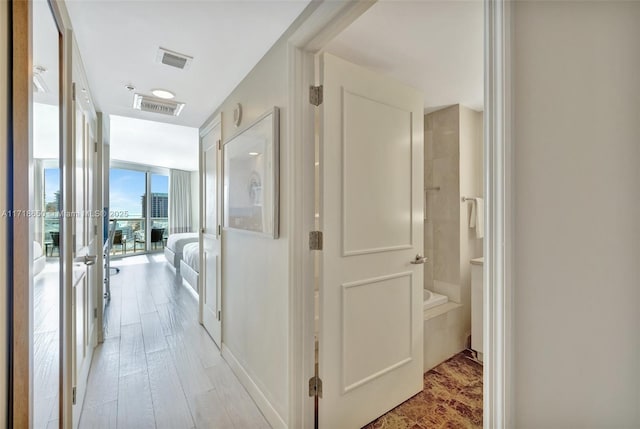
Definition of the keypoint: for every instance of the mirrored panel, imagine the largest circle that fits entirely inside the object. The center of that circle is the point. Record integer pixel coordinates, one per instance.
(47, 206)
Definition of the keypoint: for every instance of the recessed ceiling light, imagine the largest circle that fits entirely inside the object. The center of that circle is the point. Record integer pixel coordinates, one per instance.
(163, 93)
(254, 153)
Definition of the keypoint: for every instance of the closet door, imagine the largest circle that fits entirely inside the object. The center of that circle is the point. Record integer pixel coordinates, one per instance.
(210, 279)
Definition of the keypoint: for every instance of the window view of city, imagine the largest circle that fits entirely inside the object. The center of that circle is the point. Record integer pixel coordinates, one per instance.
(128, 206)
(51, 207)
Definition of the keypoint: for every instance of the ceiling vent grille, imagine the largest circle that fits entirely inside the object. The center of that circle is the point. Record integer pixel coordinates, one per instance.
(147, 103)
(173, 59)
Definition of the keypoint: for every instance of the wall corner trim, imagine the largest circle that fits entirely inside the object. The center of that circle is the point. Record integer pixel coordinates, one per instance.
(498, 247)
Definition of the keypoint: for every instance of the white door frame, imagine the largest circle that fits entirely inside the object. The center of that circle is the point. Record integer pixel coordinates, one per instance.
(205, 129)
(322, 24)
(498, 191)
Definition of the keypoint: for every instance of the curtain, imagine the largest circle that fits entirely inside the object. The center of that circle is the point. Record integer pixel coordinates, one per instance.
(179, 201)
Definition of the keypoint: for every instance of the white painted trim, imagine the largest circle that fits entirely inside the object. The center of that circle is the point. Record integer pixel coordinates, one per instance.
(99, 203)
(270, 413)
(210, 124)
(301, 282)
(498, 244)
(66, 155)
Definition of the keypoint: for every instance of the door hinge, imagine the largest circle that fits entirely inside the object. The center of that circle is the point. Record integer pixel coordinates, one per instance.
(95, 229)
(95, 147)
(315, 95)
(73, 395)
(73, 91)
(219, 229)
(315, 240)
(315, 386)
(95, 312)
(219, 142)
(219, 315)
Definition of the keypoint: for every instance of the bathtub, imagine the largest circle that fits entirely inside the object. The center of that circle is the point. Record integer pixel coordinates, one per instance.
(431, 299)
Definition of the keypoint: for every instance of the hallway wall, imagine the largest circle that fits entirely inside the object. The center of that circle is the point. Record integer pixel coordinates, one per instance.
(255, 269)
(4, 103)
(576, 302)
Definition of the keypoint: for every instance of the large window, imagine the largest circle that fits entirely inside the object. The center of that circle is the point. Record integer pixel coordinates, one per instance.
(159, 207)
(51, 203)
(127, 190)
(139, 205)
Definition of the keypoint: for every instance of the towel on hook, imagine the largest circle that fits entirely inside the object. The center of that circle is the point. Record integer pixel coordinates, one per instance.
(477, 217)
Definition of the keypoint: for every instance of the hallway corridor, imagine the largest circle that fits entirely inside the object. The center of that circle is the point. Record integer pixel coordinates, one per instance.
(158, 367)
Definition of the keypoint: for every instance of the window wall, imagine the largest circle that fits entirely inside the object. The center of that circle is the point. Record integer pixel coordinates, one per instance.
(138, 208)
(51, 215)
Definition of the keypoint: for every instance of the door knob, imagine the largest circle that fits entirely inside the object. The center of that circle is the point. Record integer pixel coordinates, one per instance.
(419, 260)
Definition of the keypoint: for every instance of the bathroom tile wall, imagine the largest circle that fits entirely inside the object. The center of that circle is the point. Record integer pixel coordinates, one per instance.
(453, 162)
(442, 225)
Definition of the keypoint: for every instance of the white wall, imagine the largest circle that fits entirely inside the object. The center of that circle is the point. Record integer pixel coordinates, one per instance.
(255, 269)
(4, 71)
(577, 214)
(195, 200)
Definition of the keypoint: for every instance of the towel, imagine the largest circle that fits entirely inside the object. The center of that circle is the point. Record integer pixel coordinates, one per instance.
(477, 217)
(472, 219)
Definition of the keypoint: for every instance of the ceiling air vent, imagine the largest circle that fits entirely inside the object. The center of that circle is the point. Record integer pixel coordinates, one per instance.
(173, 59)
(147, 103)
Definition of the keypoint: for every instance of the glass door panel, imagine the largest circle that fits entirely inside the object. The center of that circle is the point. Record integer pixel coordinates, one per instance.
(127, 200)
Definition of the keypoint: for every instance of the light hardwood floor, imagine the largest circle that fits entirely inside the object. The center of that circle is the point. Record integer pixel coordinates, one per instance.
(158, 367)
(46, 307)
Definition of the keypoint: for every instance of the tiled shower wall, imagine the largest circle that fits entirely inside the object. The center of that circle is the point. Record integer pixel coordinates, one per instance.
(453, 162)
(442, 223)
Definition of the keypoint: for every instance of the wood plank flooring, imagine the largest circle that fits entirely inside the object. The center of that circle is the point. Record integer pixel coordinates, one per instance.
(46, 301)
(158, 368)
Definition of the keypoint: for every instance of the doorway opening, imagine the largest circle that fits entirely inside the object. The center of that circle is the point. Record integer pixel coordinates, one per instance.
(436, 49)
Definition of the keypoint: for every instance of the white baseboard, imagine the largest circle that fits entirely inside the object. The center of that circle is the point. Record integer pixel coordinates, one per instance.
(272, 416)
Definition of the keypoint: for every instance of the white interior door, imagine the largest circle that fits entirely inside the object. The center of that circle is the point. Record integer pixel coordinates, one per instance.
(371, 180)
(210, 234)
(84, 251)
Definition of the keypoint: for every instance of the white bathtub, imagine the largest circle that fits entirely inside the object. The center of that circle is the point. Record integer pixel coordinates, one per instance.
(431, 299)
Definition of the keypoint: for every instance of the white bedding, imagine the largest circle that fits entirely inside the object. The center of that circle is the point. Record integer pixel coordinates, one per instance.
(191, 255)
(37, 250)
(176, 242)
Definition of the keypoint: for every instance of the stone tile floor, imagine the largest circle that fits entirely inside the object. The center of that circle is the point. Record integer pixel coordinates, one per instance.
(451, 399)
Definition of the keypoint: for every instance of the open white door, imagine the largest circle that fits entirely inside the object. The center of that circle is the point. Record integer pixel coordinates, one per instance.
(209, 278)
(371, 211)
(85, 249)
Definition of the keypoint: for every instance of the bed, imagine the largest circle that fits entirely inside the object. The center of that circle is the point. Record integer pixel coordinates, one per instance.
(175, 244)
(39, 259)
(190, 264)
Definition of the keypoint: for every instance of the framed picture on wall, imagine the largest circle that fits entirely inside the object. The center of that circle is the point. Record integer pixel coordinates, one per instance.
(251, 177)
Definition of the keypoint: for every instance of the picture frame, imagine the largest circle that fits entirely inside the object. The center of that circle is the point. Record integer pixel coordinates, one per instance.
(251, 183)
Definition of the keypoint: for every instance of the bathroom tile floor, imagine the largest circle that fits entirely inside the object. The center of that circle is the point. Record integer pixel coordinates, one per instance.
(451, 399)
